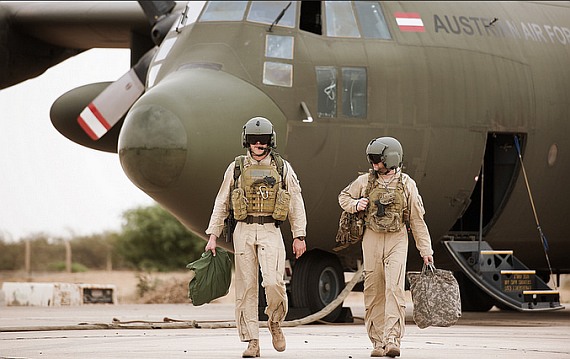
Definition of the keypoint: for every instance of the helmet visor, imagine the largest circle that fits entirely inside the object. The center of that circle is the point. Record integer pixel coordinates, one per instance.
(374, 158)
(262, 139)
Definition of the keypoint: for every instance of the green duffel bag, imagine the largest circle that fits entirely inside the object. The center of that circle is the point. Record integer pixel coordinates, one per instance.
(212, 277)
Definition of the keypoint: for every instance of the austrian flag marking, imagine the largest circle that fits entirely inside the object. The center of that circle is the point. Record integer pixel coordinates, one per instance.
(409, 22)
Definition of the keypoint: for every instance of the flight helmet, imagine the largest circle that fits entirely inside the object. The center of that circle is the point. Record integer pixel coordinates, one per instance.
(386, 150)
(258, 129)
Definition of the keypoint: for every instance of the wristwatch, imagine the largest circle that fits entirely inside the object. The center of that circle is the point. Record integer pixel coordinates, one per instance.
(301, 238)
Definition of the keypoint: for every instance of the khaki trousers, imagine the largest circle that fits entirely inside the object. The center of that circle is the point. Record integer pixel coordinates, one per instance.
(384, 276)
(258, 246)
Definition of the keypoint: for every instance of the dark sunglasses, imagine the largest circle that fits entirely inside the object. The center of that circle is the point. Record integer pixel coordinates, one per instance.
(374, 158)
(253, 139)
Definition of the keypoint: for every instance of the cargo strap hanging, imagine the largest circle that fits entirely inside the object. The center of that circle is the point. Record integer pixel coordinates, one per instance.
(542, 236)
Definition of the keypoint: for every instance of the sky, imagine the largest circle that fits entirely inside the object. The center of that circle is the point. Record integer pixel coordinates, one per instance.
(49, 184)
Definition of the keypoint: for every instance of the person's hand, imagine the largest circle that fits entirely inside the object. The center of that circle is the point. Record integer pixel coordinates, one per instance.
(299, 247)
(362, 204)
(211, 244)
(428, 260)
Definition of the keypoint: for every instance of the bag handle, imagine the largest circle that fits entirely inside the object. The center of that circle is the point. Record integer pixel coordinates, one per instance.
(429, 267)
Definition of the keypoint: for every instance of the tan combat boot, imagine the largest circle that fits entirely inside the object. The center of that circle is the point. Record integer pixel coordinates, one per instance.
(392, 350)
(277, 335)
(252, 350)
(377, 352)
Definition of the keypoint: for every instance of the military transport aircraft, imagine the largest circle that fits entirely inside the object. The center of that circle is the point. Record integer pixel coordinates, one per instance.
(478, 93)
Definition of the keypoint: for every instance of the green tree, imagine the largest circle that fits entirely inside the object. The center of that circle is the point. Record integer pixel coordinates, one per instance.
(95, 251)
(45, 251)
(153, 239)
(11, 255)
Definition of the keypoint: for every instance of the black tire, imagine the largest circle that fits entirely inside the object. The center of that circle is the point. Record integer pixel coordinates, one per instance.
(473, 299)
(317, 280)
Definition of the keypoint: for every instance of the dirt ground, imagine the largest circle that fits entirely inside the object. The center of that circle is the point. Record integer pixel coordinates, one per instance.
(156, 288)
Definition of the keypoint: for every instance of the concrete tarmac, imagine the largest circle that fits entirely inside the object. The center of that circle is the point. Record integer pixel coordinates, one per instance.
(62, 332)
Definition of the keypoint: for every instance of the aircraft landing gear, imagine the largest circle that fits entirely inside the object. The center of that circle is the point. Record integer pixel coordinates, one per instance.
(317, 280)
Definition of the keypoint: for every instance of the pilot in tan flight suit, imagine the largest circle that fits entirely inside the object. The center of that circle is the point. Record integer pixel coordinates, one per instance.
(390, 199)
(265, 194)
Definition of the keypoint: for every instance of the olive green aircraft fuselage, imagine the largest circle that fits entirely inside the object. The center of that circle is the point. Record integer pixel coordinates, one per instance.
(476, 92)
(455, 94)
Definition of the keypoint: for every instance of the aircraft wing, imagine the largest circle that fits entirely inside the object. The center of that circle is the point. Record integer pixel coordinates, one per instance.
(37, 35)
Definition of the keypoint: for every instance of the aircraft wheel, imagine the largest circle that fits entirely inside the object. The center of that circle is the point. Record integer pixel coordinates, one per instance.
(317, 280)
(473, 299)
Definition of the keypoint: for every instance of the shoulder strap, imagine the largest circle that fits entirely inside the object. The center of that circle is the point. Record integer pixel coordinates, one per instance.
(406, 195)
(238, 163)
(371, 180)
(280, 164)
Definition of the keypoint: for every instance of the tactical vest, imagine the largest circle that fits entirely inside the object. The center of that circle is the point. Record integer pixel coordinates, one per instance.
(260, 184)
(262, 190)
(386, 208)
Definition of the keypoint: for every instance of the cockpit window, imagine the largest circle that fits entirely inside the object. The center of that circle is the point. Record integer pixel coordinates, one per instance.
(280, 47)
(372, 20)
(266, 12)
(354, 87)
(224, 11)
(311, 17)
(340, 20)
(326, 87)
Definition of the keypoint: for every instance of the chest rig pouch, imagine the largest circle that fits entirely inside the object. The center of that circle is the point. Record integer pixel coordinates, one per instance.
(260, 185)
(262, 190)
(386, 208)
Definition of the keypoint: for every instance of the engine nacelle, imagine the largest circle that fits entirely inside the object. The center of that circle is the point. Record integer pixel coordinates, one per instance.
(66, 109)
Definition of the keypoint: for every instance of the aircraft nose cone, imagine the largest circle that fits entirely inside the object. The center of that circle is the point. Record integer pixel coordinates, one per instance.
(181, 135)
(152, 147)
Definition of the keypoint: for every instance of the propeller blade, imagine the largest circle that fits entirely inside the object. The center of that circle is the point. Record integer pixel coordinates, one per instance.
(64, 111)
(113, 103)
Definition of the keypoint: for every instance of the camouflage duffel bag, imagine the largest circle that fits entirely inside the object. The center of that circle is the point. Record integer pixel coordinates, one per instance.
(350, 230)
(435, 295)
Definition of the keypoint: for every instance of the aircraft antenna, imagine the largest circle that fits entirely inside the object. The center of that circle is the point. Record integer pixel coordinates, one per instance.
(542, 236)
